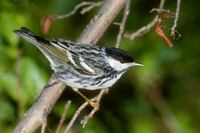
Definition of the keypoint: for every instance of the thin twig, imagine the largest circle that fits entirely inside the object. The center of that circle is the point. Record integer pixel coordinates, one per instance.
(62, 119)
(44, 124)
(97, 99)
(161, 5)
(141, 31)
(90, 7)
(123, 23)
(78, 111)
(87, 117)
(173, 29)
(163, 14)
(116, 23)
(82, 4)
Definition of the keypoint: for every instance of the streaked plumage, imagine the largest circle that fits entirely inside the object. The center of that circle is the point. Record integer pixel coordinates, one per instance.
(82, 66)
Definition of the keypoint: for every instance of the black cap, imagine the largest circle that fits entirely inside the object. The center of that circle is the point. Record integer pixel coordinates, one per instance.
(120, 55)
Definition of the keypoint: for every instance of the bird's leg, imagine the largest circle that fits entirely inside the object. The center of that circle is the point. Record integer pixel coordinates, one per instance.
(92, 103)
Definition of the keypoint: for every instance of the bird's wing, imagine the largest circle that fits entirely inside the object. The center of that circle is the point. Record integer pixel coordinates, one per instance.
(84, 57)
(66, 52)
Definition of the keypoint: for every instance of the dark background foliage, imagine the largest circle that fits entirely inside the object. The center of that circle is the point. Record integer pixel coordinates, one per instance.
(163, 96)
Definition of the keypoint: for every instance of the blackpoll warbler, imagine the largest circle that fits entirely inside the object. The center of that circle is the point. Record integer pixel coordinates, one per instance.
(88, 67)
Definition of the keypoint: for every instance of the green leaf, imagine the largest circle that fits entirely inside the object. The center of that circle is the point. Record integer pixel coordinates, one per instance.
(8, 83)
(7, 111)
(33, 79)
(9, 24)
(143, 126)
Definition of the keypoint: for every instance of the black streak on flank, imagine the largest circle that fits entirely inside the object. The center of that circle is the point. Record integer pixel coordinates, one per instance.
(119, 55)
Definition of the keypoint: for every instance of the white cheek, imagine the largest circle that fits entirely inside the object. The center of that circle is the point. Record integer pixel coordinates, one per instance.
(117, 65)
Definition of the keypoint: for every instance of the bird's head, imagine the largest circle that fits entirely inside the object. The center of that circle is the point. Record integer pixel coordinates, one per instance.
(119, 59)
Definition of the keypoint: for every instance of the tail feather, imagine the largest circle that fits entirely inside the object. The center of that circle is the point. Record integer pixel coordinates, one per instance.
(54, 55)
(30, 36)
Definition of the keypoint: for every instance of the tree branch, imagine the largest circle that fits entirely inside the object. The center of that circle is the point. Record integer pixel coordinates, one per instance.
(62, 119)
(173, 29)
(37, 114)
(123, 23)
(144, 29)
(94, 110)
(83, 106)
(89, 6)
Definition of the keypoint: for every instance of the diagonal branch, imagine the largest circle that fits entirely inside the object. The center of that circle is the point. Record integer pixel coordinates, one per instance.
(36, 116)
(83, 106)
(62, 119)
(89, 6)
(123, 23)
(94, 110)
(144, 29)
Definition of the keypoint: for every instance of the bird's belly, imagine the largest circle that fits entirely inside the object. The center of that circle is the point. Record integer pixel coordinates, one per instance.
(90, 84)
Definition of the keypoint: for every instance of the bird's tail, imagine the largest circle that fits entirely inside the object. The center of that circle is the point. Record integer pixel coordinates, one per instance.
(31, 37)
(53, 54)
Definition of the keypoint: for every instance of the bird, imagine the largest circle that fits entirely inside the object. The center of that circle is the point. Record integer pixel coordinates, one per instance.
(82, 66)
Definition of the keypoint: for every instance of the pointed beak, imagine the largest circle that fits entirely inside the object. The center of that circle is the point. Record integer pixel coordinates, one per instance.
(137, 64)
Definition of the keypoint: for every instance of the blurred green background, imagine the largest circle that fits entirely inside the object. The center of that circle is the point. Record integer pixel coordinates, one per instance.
(161, 97)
